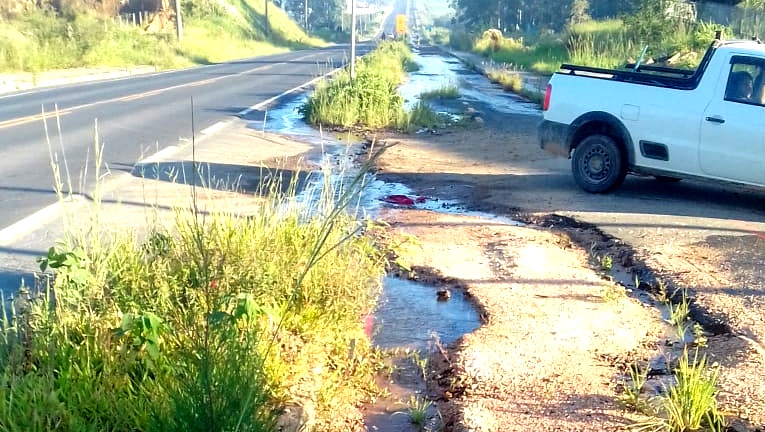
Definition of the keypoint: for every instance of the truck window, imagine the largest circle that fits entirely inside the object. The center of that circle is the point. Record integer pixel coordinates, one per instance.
(746, 81)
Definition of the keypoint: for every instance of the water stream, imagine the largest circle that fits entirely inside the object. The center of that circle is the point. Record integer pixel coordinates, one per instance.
(409, 315)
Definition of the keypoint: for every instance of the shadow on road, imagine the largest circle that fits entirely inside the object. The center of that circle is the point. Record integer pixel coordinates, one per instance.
(226, 177)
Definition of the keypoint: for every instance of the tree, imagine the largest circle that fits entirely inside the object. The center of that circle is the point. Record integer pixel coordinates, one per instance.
(322, 13)
(521, 14)
(580, 11)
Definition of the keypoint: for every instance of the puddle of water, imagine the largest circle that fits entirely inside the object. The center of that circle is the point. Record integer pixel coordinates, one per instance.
(409, 315)
(283, 118)
(437, 71)
(374, 194)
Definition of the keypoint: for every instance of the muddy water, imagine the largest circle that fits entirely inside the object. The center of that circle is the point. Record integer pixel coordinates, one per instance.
(409, 315)
(437, 71)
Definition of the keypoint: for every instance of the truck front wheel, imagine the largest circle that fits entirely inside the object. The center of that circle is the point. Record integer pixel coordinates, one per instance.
(598, 164)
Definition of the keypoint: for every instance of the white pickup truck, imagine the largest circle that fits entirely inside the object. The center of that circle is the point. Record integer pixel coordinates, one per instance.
(668, 123)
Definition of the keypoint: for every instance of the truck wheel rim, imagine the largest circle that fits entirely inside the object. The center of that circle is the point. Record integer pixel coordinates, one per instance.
(597, 164)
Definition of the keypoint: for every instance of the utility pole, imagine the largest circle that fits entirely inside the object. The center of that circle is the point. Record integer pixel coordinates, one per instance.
(353, 39)
(178, 20)
(268, 26)
(306, 15)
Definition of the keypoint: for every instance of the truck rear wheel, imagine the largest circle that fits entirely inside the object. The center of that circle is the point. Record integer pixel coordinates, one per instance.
(598, 164)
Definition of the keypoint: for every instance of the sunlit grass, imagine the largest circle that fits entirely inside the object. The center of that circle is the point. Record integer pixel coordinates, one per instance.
(606, 44)
(448, 91)
(206, 320)
(510, 81)
(690, 403)
(40, 41)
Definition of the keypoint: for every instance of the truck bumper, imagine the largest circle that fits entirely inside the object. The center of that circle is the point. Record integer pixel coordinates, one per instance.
(553, 138)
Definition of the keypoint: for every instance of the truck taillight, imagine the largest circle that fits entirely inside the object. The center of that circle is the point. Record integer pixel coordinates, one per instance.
(548, 93)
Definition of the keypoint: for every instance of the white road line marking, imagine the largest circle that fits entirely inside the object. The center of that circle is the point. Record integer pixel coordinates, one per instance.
(11, 233)
(37, 219)
(214, 128)
(281, 95)
(160, 155)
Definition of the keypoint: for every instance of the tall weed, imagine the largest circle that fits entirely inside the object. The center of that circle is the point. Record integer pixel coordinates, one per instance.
(209, 322)
(370, 99)
(608, 44)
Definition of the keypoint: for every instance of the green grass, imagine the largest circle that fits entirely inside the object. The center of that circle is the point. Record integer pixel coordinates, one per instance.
(679, 312)
(690, 404)
(40, 41)
(632, 389)
(206, 322)
(448, 91)
(607, 44)
(371, 100)
(418, 410)
(510, 81)
(543, 57)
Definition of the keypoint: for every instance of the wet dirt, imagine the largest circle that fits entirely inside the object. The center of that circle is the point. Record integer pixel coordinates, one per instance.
(514, 372)
(694, 236)
(437, 71)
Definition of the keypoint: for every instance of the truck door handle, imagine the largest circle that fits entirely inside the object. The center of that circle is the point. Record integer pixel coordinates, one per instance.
(716, 119)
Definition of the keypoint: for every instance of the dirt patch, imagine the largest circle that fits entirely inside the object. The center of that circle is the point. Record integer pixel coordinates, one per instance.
(497, 167)
(546, 357)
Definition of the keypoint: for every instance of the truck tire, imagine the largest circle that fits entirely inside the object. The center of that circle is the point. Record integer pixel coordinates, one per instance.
(598, 164)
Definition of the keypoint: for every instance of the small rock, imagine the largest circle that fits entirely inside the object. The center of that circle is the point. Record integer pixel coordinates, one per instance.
(443, 294)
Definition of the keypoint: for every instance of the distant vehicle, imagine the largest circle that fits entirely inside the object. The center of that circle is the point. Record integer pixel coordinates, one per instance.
(707, 123)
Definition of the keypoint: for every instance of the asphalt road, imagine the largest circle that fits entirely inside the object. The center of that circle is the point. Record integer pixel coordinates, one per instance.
(135, 117)
(399, 7)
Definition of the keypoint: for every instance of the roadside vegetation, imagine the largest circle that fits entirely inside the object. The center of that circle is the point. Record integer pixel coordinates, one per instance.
(678, 40)
(449, 91)
(212, 321)
(45, 39)
(370, 100)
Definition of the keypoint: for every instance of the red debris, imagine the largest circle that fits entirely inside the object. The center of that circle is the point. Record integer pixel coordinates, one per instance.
(399, 199)
(369, 322)
(404, 200)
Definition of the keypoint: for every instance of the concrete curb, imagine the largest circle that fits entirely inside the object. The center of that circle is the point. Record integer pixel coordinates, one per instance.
(10, 84)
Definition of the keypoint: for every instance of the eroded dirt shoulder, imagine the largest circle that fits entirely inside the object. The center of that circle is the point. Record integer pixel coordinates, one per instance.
(546, 357)
(704, 239)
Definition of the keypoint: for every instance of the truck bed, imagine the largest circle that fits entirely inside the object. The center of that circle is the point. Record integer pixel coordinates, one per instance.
(658, 76)
(681, 79)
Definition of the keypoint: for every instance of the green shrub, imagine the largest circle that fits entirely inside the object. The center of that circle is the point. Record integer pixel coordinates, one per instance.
(371, 99)
(449, 91)
(209, 323)
(508, 80)
(461, 40)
